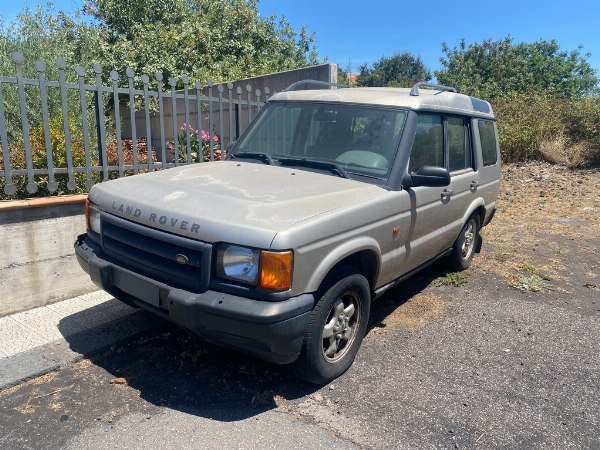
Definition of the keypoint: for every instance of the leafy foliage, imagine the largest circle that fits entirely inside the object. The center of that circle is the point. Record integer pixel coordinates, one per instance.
(400, 70)
(218, 39)
(495, 69)
(44, 34)
(59, 159)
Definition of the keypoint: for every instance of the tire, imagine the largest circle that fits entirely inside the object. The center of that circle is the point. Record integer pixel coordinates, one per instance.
(465, 246)
(328, 351)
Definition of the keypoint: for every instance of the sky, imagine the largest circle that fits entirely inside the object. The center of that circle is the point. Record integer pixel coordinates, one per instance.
(362, 31)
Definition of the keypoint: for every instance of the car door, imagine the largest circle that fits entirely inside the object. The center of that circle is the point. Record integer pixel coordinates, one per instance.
(465, 180)
(427, 229)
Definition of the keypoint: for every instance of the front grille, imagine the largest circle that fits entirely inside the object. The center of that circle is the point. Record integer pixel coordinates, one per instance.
(153, 253)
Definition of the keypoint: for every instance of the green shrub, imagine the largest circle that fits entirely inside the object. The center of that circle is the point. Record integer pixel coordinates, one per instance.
(558, 130)
(59, 159)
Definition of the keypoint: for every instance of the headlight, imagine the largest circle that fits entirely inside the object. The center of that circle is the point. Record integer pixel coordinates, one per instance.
(266, 269)
(238, 263)
(92, 217)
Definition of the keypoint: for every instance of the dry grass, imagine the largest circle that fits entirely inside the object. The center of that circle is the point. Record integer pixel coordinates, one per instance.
(572, 155)
(543, 209)
(43, 379)
(413, 315)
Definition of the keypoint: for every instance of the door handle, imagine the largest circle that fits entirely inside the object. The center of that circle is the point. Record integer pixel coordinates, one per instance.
(447, 193)
(474, 184)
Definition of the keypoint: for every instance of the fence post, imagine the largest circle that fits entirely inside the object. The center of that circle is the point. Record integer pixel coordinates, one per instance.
(248, 90)
(80, 71)
(186, 99)
(100, 121)
(129, 72)
(9, 187)
(40, 66)
(210, 124)
(145, 80)
(19, 61)
(173, 84)
(238, 123)
(62, 65)
(198, 87)
(114, 76)
(161, 118)
(221, 88)
(230, 92)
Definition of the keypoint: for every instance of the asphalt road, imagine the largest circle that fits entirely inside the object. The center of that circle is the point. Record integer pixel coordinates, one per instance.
(480, 365)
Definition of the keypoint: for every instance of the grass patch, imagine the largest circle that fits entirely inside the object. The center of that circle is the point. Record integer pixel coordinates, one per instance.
(451, 279)
(531, 283)
(530, 268)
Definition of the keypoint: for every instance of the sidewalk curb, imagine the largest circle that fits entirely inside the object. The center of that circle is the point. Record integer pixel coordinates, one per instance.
(59, 353)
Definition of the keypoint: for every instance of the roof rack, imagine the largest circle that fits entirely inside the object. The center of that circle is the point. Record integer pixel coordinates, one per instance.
(297, 84)
(415, 89)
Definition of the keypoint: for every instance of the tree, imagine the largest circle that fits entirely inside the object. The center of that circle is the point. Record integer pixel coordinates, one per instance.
(217, 39)
(44, 34)
(345, 75)
(400, 70)
(494, 69)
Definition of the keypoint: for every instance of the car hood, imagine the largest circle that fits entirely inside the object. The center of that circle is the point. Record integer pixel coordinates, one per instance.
(229, 201)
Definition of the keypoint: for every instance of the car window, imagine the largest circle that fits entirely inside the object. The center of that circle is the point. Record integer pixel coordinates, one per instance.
(363, 140)
(459, 144)
(274, 131)
(428, 145)
(489, 145)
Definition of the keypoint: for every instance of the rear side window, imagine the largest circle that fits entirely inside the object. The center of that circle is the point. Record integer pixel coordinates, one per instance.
(489, 145)
(459, 144)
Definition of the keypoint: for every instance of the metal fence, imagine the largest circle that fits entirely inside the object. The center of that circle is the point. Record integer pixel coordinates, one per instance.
(99, 112)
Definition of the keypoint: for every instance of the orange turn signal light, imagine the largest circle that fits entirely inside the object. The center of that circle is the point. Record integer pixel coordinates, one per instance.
(276, 270)
(87, 214)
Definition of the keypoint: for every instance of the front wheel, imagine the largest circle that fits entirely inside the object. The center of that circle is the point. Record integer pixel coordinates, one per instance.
(465, 245)
(335, 329)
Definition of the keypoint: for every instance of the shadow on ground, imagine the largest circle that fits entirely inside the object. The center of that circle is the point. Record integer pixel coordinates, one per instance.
(171, 367)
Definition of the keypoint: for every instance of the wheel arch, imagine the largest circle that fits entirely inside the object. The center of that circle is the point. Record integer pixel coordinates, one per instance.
(364, 258)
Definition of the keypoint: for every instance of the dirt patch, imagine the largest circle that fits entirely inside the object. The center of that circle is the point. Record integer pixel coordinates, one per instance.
(547, 227)
(43, 379)
(414, 314)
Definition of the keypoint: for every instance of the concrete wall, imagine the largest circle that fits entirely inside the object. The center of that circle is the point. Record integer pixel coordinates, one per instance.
(37, 260)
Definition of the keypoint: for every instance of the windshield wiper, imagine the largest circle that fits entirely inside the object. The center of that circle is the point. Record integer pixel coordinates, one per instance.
(264, 157)
(315, 164)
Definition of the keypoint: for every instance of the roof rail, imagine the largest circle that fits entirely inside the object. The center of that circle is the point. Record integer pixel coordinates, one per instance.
(294, 86)
(415, 89)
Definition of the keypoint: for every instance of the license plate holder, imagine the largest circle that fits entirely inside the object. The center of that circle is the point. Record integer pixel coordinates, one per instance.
(137, 287)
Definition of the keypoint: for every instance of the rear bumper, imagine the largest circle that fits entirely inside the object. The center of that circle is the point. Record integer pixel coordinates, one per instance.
(273, 331)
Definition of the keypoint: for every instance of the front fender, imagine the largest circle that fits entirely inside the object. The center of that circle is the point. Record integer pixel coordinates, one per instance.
(339, 253)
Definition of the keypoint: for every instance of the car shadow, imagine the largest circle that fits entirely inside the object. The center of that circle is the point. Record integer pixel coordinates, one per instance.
(399, 295)
(173, 368)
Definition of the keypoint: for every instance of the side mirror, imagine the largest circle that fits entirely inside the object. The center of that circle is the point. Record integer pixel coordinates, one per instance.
(431, 176)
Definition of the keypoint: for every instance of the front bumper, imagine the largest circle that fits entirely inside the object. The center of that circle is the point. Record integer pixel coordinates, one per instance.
(271, 330)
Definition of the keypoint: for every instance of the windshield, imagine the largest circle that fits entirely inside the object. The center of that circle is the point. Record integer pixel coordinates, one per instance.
(361, 140)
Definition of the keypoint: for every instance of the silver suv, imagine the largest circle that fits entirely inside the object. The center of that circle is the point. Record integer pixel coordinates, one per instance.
(329, 198)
